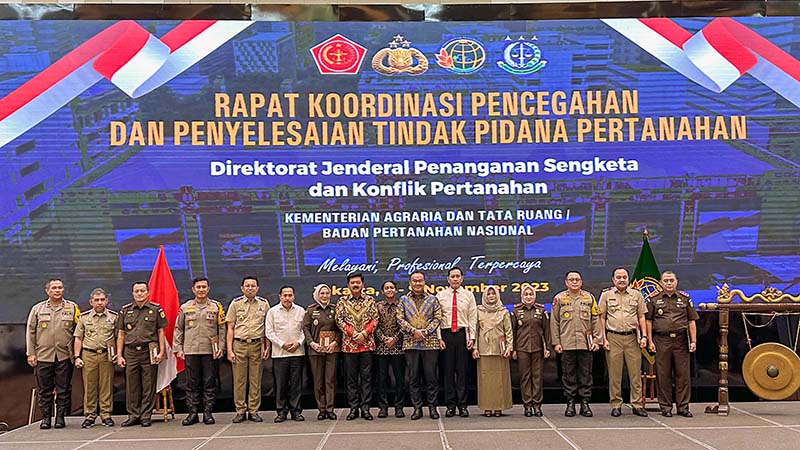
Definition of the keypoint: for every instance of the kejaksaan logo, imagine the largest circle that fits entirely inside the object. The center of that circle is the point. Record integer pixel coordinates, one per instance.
(521, 57)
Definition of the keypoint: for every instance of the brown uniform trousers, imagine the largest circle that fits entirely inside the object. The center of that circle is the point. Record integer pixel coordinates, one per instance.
(670, 315)
(140, 325)
(531, 327)
(318, 324)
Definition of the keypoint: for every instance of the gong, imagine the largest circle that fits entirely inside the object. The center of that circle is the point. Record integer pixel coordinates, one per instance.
(772, 371)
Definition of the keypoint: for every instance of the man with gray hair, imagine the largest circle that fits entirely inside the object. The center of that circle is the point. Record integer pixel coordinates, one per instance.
(95, 351)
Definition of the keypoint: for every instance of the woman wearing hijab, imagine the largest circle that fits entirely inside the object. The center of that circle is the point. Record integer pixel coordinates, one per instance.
(493, 346)
(322, 335)
(531, 327)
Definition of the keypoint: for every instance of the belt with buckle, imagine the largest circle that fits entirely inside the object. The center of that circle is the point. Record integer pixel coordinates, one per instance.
(93, 350)
(672, 334)
(248, 341)
(138, 347)
(622, 333)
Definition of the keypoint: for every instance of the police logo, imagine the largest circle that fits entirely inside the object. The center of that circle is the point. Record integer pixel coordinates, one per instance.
(399, 57)
(461, 56)
(521, 57)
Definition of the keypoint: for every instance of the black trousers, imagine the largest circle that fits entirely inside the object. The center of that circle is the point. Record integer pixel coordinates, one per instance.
(201, 378)
(576, 374)
(422, 362)
(358, 370)
(397, 363)
(455, 363)
(52, 376)
(288, 384)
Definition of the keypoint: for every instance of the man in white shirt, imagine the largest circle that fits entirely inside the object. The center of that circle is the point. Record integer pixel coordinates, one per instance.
(459, 322)
(284, 328)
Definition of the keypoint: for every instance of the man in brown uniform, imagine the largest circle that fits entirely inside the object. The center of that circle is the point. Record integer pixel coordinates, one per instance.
(94, 348)
(199, 336)
(575, 334)
(673, 335)
(531, 327)
(140, 328)
(248, 347)
(624, 331)
(48, 345)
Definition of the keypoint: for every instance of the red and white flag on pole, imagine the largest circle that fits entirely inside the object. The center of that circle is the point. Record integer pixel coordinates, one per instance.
(164, 292)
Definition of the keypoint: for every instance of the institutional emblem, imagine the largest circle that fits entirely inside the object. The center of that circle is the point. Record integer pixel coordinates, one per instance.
(338, 55)
(521, 57)
(399, 57)
(461, 55)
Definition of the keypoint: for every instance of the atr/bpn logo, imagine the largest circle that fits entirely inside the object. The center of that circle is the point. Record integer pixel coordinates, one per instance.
(338, 55)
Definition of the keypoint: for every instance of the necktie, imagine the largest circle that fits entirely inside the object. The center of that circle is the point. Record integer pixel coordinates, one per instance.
(454, 324)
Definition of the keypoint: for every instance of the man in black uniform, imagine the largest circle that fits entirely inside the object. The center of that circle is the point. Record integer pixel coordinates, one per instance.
(671, 324)
(140, 348)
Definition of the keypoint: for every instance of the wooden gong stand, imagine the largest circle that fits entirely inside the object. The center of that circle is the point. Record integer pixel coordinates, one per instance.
(767, 301)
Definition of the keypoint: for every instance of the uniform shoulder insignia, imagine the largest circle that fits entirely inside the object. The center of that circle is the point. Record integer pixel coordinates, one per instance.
(684, 293)
(127, 305)
(518, 305)
(608, 288)
(113, 313)
(538, 305)
(86, 312)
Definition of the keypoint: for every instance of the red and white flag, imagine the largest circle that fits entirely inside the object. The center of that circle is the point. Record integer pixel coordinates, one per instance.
(164, 292)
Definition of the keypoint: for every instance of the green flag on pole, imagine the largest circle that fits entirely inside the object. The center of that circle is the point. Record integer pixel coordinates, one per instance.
(646, 276)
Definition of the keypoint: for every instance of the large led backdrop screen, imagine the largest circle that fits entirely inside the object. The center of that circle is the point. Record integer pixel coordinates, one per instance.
(299, 152)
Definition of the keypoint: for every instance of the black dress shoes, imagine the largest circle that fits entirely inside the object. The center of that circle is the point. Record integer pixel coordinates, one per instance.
(641, 412)
(191, 419)
(208, 418)
(146, 423)
(586, 411)
(366, 414)
(537, 410)
(616, 412)
(353, 414)
(239, 418)
(131, 422)
(417, 414)
(383, 413)
(528, 411)
(398, 412)
(463, 411)
(570, 411)
(322, 415)
(433, 412)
